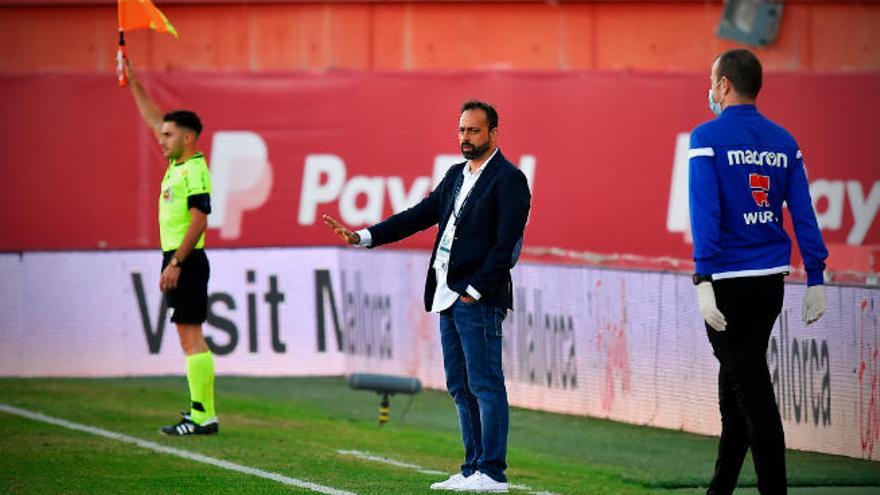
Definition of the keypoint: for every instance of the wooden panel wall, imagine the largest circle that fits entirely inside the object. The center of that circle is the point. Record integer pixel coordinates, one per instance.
(294, 36)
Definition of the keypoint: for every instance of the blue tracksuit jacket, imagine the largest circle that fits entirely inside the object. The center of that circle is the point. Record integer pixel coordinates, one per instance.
(742, 168)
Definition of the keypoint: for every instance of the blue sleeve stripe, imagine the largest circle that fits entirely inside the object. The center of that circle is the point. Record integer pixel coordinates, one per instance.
(695, 152)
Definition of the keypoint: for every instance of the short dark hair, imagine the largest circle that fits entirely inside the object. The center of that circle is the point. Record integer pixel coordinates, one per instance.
(743, 69)
(184, 118)
(491, 113)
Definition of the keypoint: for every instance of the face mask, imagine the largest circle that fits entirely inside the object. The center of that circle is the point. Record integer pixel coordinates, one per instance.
(715, 107)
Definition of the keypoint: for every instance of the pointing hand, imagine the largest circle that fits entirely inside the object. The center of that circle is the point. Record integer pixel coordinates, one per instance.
(341, 231)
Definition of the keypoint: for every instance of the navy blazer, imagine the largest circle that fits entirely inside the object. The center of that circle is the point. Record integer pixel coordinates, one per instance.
(488, 235)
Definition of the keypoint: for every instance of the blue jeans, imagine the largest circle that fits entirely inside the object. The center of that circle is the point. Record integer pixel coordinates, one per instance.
(471, 339)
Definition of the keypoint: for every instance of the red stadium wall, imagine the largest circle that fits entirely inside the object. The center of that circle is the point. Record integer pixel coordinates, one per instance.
(595, 94)
(82, 171)
(266, 36)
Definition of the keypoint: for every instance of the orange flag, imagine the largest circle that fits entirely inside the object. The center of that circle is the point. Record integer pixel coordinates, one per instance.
(134, 15)
(142, 14)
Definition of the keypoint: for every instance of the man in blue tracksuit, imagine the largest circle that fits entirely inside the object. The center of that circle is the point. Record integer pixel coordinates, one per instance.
(743, 167)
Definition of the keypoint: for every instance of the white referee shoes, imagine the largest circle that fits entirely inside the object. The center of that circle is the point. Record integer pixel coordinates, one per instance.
(476, 483)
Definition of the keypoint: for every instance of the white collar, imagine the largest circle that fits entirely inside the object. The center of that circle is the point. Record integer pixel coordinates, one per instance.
(467, 166)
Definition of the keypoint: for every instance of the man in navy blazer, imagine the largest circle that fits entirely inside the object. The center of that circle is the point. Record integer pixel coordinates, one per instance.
(481, 207)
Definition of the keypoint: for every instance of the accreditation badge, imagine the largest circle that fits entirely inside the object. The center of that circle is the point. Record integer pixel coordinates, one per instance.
(444, 249)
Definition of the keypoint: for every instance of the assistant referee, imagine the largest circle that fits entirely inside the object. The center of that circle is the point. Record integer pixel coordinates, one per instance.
(184, 205)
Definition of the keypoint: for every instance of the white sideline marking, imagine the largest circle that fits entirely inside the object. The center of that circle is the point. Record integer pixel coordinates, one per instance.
(155, 447)
(378, 458)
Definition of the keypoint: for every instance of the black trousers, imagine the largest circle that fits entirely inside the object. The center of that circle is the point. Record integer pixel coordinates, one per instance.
(749, 414)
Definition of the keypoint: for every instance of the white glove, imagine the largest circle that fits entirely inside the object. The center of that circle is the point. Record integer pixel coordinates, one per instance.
(814, 304)
(708, 309)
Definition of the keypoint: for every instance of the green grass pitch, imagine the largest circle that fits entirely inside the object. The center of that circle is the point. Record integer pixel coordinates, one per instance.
(296, 426)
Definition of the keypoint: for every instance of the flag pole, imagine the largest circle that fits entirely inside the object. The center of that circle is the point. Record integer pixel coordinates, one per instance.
(120, 60)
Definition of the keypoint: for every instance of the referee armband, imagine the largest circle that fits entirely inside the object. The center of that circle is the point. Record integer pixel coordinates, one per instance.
(201, 202)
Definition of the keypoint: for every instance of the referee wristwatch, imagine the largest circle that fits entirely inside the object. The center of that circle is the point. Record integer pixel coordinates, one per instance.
(699, 278)
(174, 262)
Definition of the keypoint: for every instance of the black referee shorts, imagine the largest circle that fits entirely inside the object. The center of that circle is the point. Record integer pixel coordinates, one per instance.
(189, 301)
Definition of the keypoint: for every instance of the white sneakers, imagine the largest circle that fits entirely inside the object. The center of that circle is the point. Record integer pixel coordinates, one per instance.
(477, 482)
(450, 484)
(481, 483)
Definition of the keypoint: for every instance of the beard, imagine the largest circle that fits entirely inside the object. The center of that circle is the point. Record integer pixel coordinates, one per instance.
(174, 152)
(471, 152)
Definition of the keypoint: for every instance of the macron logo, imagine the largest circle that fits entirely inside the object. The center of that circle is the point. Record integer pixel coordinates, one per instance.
(759, 158)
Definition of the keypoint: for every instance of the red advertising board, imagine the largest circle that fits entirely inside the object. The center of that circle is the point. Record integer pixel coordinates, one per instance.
(81, 171)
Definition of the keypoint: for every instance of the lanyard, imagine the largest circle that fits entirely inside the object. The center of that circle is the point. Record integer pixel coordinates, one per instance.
(458, 185)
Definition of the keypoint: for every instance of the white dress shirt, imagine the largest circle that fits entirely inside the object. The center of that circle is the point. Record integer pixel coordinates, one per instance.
(444, 297)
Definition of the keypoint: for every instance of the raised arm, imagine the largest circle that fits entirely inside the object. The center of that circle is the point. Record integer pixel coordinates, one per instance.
(146, 106)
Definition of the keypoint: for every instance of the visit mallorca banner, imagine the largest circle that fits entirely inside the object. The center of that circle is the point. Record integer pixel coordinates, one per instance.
(624, 345)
